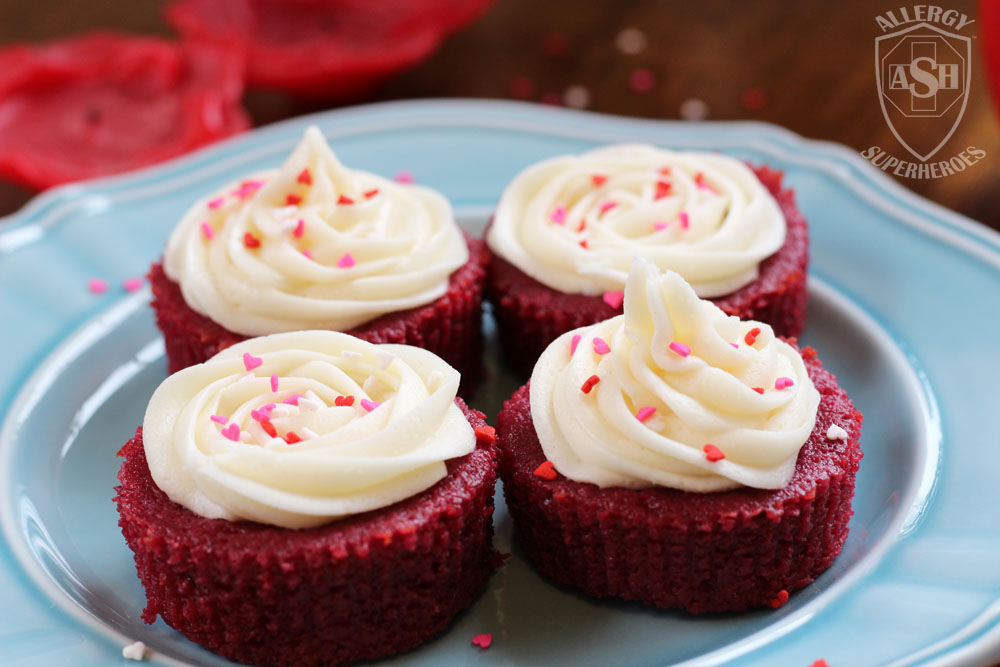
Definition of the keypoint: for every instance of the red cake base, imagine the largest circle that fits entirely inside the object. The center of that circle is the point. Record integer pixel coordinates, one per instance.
(363, 587)
(531, 315)
(725, 551)
(450, 327)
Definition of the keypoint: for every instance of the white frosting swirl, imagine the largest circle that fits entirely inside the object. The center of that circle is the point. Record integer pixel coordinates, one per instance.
(703, 215)
(388, 444)
(686, 402)
(365, 246)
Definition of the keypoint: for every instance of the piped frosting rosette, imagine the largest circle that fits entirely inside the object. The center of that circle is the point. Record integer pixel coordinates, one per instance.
(313, 245)
(574, 222)
(673, 393)
(297, 429)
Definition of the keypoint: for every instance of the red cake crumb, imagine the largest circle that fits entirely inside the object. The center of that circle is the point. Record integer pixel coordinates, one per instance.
(450, 327)
(363, 587)
(531, 315)
(724, 551)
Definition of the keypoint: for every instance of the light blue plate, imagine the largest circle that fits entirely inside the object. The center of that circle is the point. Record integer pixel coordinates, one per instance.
(904, 310)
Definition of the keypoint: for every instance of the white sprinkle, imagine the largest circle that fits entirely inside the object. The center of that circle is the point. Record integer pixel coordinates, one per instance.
(434, 379)
(369, 384)
(694, 109)
(836, 433)
(135, 651)
(244, 436)
(308, 433)
(281, 411)
(307, 405)
(351, 355)
(384, 359)
(576, 97)
(630, 41)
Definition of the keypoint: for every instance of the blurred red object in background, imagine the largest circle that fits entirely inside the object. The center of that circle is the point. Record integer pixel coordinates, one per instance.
(326, 50)
(989, 31)
(103, 103)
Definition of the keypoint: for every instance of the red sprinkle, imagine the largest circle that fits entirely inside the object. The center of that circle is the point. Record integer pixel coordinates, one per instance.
(780, 599)
(292, 437)
(820, 663)
(483, 640)
(759, 390)
(713, 453)
(664, 170)
(485, 434)
(268, 427)
(344, 400)
(573, 343)
(751, 336)
(583, 226)
(662, 190)
(251, 241)
(344, 199)
(614, 299)
(583, 244)
(680, 348)
(600, 346)
(305, 177)
(97, 285)
(371, 193)
(300, 228)
(645, 413)
(589, 383)
(546, 471)
(292, 200)
(598, 180)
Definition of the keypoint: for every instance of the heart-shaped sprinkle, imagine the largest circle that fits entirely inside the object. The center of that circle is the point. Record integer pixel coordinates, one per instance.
(483, 640)
(614, 299)
(601, 346)
(305, 177)
(344, 400)
(547, 470)
(232, 432)
(346, 262)
(251, 362)
(369, 405)
(713, 453)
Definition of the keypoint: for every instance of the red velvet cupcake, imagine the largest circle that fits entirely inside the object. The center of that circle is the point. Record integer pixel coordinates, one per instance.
(315, 245)
(679, 457)
(284, 511)
(566, 230)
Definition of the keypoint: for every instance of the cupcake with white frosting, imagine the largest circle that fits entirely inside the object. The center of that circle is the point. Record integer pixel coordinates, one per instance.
(317, 245)
(310, 498)
(566, 230)
(678, 456)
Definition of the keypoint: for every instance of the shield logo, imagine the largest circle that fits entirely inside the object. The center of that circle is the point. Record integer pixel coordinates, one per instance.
(923, 75)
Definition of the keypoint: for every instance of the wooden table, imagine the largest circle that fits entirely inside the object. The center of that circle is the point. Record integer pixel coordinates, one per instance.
(809, 63)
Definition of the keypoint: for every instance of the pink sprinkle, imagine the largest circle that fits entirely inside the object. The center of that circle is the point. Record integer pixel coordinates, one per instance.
(97, 286)
(274, 382)
(607, 206)
(132, 284)
(642, 80)
(346, 262)
(293, 399)
(685, 219)
(300, 227)
(645, 413)
(614, 299)
(735, 345)
(247, 188)
(601, 347)
(268, 407)
(217, 202)
(259, 415)
(573, 343)
(483, 641)
(403, 177)
(558, 215)
(218, 419)
(307, 254)
(369, 405)
(783, 383)
(680, 348)
(206, 229)
(251, 362)
(659, 225)
(232, 432)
